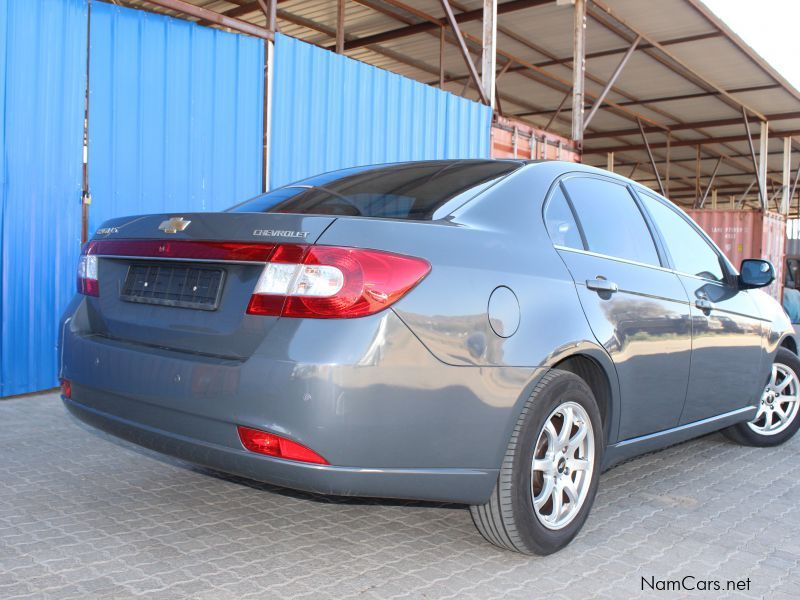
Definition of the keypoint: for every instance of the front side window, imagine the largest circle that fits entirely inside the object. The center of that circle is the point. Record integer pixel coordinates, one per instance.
(415, 190)
(690, 252)
(611, 220)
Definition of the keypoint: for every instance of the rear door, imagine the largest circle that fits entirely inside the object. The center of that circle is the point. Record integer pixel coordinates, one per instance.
(727, 330)
(637, 309)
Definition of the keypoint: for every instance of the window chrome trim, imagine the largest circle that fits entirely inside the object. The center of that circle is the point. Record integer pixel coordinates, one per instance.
(609, 257)
(638, 264)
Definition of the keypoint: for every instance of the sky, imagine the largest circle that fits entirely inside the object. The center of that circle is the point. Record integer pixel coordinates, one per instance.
(767, 26)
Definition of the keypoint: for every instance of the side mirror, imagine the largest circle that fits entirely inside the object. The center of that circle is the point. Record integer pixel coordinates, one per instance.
(756, 273)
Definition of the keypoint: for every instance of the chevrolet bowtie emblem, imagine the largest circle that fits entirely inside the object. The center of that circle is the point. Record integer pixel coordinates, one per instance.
(174, 225)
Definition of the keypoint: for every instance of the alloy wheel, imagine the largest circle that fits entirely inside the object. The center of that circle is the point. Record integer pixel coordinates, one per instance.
(779, 402)
(562, 465)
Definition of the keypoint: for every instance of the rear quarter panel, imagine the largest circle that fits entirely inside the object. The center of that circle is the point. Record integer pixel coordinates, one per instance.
(497, 239)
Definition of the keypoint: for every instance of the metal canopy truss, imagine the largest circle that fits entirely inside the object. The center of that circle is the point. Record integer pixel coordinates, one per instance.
(652, 160)
(462, 46)
(599, 102)
(672, 67)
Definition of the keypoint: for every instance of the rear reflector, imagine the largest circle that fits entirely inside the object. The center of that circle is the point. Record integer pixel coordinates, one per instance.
(188, 249)
(66, 388)
(270, 444)
(330, 282)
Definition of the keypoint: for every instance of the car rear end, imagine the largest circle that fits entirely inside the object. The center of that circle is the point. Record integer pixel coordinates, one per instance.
(243, 342)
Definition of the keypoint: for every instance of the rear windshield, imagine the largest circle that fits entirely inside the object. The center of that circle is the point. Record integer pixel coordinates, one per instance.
(417, 191)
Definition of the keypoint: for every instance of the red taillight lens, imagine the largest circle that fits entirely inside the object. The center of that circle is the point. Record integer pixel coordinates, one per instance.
(66, 388)
(193, 249)
(330, 282)
(270, 444)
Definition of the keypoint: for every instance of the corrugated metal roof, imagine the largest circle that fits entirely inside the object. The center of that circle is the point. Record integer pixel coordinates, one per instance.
(694, 44)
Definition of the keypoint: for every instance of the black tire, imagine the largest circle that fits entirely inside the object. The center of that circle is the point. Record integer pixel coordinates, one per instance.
(742, 433)
(508, 520)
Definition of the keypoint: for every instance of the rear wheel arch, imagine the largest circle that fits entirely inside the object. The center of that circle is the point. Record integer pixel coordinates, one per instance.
(591, 363)
(598, 381)
(789, 343)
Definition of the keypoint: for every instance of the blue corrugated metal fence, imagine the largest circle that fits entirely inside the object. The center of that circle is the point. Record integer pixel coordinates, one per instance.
(42, 86)
(175, 123)
(332, 112)
(175, 115)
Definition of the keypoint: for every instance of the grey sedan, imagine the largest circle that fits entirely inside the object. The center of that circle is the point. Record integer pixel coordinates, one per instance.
(492, 333)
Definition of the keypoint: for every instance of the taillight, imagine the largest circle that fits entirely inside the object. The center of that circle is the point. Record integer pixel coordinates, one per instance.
(66, 388)
(87, 273)
(330, 282)
(270, 444)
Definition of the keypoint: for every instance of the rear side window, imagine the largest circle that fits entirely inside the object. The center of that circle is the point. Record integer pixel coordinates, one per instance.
(612, 222)
(561, 223)
(690, 252)
(417, 190)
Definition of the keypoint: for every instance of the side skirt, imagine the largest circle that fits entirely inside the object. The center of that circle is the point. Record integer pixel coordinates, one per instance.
(616, 453)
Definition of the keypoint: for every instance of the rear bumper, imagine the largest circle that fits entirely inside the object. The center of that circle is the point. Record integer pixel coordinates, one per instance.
(391, 419)
(466, 486)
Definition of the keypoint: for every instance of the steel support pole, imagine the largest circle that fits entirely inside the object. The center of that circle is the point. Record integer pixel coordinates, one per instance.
(650, 156)
(702, 202)
(611, 81)
(489, 50)
(269, 8)
(441, 56)
(578, 70)
(697, 165)
(496, 94)
(340, 27)
(669, 161)
(462, 46)
(792, 190)
(610, 162)
(787, 175)
(747, 191)
(558, 110)
(762, 198)
(86, 196)
(763, 143)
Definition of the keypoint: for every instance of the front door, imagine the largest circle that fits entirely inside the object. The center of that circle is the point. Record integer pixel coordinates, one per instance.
(726, 326)
(637, 309)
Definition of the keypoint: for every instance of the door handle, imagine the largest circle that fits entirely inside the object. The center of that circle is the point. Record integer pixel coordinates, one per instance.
(704, 304)
(602, 285)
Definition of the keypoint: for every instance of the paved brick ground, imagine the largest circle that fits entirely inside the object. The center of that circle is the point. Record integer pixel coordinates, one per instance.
(85, 516)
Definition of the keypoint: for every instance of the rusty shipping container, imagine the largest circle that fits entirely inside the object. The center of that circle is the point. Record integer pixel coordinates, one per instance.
(514, 139)
(744, 234)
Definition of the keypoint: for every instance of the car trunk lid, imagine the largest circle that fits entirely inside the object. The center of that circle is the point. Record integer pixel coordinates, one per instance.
(183, 282)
